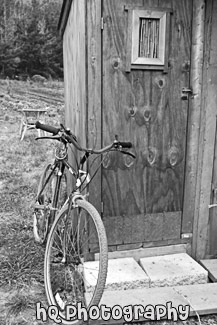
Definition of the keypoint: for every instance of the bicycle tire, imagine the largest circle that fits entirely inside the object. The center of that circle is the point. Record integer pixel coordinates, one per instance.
(74, 266)
(41, 218)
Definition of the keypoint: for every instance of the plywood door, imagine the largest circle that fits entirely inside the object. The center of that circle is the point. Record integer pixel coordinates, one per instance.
(143, 199)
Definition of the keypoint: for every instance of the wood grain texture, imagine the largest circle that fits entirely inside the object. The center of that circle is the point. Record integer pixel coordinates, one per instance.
(152, 244)
(75, 73)
(213, 211)
(144, 107)
(193, 145)
(74, 70)
(207, 137)
(123, 230)
(94, 111)
(138, 253)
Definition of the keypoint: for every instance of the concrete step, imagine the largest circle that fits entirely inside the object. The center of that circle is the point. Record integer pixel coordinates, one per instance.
(201, 299)
(123, 273)
(157, 271)
(173, 270)
(211, 267)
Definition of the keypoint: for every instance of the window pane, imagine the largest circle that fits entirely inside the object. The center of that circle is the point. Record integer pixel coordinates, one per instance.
(149, 38)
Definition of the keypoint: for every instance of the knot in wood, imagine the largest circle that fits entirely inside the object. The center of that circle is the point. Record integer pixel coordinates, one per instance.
(147, 115)
(160, 82)
(132, 111)
(116, 63)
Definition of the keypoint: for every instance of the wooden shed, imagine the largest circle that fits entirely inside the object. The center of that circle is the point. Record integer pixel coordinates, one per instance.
(147, 71)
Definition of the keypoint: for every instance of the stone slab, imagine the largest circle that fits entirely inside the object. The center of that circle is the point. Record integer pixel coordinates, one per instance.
(201, 298)
(123, 273)
(211, 267)
(143, 299)
(172, 270)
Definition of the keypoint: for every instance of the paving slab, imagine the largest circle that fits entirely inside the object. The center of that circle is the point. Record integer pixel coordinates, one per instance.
(200, 299)
(172, 270)
(196, 299)
(139, 301)
(123, 273)
(211, 267)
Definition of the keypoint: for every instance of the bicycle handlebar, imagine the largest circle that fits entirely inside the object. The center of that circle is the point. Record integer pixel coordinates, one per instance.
(47, 128)
(71, 138)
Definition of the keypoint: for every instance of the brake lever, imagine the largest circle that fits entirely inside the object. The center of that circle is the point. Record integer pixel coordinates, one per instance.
(128, 153)
(125, 153)
(68, 132)
(55, 137)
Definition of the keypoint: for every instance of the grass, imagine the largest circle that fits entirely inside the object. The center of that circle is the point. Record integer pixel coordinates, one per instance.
(24, 262)
(23, 161)
(21, 259)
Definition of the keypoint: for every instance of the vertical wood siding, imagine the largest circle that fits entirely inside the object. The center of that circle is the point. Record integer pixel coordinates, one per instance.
(94, 113)
(75, 70)
(205, 228)
(75, 75)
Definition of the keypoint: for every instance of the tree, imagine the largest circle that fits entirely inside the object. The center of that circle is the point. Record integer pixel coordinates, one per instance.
(29, 43)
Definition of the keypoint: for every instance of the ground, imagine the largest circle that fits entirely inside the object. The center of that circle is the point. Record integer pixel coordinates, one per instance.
(21, 260)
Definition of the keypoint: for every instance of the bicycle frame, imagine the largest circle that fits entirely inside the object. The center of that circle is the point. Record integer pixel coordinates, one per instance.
(59, 167)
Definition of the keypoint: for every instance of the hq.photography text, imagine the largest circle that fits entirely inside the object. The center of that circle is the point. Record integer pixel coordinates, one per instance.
(127, 313)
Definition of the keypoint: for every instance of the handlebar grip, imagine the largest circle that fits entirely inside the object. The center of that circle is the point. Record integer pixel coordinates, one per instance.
(47, 128)
(126, 144)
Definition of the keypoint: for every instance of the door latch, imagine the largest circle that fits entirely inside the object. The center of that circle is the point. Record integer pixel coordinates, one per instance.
(214, 191)
(185, 93)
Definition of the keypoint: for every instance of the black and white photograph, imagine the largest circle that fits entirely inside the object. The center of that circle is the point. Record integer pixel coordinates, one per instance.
(108, 162)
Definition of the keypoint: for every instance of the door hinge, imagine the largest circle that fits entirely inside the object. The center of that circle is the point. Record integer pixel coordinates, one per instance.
(102, 23)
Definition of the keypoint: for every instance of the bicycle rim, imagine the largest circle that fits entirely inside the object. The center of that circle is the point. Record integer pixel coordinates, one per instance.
(70, 275)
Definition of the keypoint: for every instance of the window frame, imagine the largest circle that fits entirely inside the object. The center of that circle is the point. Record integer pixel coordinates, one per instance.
(133, 61)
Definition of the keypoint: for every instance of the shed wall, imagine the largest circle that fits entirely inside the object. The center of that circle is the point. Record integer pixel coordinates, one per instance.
(74, 51)
(83, 73)
(205, 225)
(94, 93)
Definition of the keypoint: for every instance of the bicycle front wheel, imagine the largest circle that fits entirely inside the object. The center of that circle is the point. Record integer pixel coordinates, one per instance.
(71, 277)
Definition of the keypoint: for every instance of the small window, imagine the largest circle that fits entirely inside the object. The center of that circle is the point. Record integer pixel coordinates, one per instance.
(148, 39)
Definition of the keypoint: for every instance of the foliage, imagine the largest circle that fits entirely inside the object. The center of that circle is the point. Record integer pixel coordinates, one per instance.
(29, 41)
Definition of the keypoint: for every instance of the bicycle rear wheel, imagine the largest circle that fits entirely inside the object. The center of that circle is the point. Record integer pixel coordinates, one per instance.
(70, 276)
(41, 216)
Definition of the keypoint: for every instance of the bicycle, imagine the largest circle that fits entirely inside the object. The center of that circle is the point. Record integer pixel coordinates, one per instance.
(76, 233)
